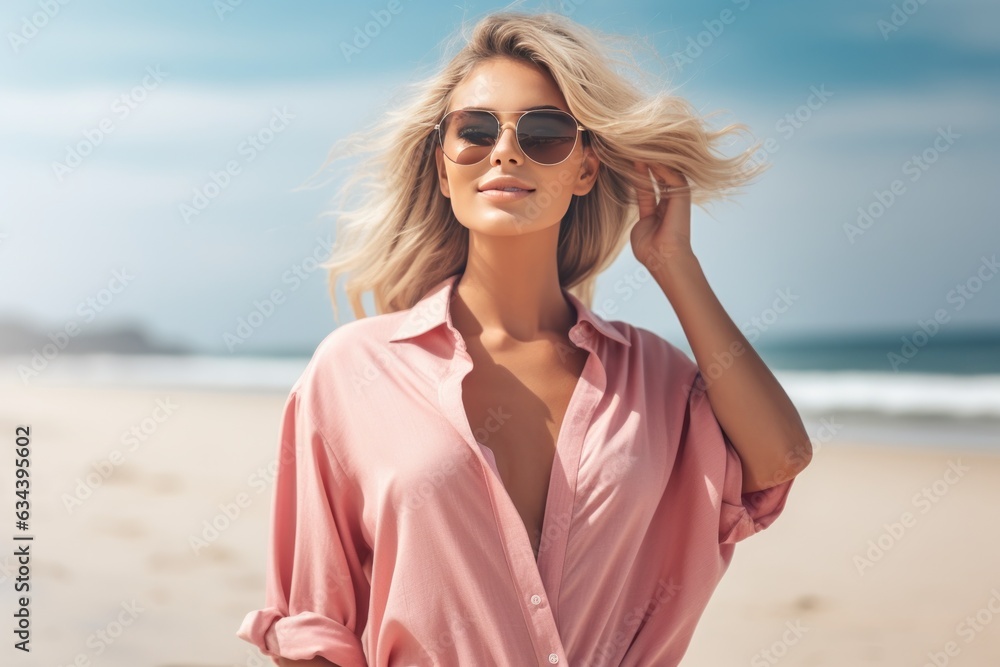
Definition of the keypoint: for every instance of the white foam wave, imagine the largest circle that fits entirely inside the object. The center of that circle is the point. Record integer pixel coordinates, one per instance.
(813, 392)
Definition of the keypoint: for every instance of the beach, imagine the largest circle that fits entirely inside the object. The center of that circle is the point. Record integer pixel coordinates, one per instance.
(150, 509)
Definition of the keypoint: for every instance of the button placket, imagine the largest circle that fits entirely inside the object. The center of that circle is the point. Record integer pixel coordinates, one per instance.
(526, 575)
(529, 572)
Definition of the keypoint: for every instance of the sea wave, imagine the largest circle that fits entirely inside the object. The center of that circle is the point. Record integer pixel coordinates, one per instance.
(813, 392)
(892, 394)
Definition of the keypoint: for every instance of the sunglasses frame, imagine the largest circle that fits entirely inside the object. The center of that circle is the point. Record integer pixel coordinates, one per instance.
(502, 126)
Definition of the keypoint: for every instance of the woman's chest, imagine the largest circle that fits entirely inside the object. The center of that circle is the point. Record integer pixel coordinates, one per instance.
(606, 449)
(517, 409)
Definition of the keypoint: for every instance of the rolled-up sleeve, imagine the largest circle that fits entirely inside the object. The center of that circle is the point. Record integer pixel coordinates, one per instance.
(316, 594)
(741, 514)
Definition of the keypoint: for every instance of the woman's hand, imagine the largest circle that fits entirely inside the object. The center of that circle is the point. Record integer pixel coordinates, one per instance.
(663, 229)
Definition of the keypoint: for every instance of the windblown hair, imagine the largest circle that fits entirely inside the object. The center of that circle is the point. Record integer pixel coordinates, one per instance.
(403, 237)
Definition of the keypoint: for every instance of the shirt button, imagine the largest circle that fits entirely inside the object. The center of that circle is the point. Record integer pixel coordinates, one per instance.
(536, 599)
(553, 658)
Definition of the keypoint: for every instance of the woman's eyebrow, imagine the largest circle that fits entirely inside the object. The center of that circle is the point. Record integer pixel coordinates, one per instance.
(543, 106)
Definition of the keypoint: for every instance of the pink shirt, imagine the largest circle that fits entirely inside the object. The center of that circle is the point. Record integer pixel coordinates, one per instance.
(394, 542)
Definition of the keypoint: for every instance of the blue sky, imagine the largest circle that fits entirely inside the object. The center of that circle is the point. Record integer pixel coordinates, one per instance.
(197, 80)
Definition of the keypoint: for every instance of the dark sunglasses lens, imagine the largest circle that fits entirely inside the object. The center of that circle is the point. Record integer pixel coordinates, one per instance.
(468, 136)
(547, 137)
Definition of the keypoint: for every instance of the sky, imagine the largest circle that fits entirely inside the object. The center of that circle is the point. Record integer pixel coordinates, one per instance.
(878, 214)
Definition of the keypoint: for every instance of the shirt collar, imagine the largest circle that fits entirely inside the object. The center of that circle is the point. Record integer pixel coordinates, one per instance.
(432, 311)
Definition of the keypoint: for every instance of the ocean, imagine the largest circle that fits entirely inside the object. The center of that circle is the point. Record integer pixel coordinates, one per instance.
(946, 394)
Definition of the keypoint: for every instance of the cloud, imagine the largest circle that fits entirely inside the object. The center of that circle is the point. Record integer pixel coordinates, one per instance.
(175, 109)
(967, 26)
(166, 145)
(853, 116)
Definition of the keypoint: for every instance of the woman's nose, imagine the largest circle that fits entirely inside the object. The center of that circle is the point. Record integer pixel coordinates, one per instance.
(507, 143)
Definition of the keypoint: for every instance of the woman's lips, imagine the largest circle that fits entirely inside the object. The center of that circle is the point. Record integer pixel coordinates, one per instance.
(505, 195)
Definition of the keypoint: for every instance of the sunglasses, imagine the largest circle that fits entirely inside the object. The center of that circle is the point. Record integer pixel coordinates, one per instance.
(545, 136)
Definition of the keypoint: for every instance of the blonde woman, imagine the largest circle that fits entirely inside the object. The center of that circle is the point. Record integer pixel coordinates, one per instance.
(486, 472)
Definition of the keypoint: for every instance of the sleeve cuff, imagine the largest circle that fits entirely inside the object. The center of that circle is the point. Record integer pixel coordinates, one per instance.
(301, 637)
(758, 510)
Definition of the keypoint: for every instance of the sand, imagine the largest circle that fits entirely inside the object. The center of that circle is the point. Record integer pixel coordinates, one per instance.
(859, 570)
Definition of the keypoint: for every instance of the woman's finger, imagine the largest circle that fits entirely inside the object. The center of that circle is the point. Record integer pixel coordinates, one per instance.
(671, 177)
(644, 193)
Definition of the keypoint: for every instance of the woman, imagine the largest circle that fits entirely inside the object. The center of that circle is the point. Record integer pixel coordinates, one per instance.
(486, 472)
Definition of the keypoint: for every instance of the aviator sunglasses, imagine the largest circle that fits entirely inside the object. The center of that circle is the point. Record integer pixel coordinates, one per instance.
(545, 136)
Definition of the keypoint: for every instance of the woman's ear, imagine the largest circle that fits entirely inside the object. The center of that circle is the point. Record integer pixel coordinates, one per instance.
(589, 168)
(442, 173)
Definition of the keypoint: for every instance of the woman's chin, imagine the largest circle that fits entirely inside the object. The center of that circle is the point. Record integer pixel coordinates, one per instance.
(505, 223)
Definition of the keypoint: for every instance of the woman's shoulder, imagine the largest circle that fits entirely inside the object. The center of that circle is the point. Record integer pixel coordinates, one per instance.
(654, 366)
(346, 349)
(650, 348)
(350, 336)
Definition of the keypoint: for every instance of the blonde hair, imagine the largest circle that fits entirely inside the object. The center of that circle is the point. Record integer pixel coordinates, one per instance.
(403, 237)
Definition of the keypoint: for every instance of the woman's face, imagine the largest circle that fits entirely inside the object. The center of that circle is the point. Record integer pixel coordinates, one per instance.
(506, 85)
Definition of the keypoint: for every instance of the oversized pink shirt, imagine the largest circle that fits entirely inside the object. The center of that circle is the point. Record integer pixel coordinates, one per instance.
(394, 542)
